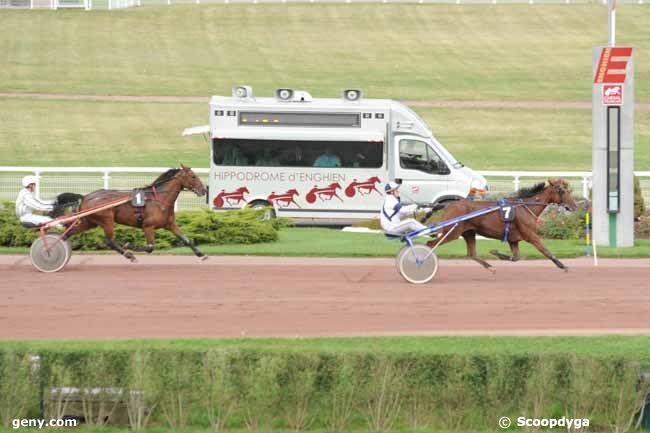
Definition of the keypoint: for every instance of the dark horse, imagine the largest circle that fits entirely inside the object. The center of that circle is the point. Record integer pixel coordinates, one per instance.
(157, 212)
(529, 203)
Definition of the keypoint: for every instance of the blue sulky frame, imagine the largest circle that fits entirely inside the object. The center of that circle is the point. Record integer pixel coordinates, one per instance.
(409, 238)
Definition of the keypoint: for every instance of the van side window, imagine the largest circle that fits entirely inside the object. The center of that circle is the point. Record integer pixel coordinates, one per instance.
(297, 153)
(417, 155)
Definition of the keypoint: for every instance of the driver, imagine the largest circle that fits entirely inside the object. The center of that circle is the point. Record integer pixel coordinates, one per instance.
(393, 210)
(26, 202)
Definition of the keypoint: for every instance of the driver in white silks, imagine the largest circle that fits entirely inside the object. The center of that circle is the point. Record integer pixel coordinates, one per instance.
(26, 202)
(393, 210)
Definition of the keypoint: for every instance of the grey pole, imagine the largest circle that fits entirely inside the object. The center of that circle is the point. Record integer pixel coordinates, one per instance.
(611, 22)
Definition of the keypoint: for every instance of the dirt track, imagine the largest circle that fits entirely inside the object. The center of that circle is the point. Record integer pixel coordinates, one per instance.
(107, 297)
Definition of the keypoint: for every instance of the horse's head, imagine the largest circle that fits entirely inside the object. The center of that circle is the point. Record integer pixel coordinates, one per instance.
(374, 179)
(559, 191)
(293, 192)
(243, 190)
(189, 180)
(335, 185)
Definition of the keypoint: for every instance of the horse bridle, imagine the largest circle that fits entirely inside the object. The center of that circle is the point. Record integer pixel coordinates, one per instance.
(182, 188)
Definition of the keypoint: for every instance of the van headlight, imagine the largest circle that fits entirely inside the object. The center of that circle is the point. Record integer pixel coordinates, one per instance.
(478, 188)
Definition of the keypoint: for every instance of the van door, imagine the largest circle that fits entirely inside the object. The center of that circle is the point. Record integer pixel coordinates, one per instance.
(423, 172)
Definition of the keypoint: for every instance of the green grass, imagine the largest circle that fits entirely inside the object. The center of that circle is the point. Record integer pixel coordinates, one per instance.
(87, 133)
(637, 347)
(322, 242)
(397, 51)
(86, 429)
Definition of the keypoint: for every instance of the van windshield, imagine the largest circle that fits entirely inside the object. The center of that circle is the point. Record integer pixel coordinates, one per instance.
(297, 153)
(445, 154)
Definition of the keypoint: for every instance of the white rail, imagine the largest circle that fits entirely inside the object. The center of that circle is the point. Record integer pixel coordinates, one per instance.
(86, 179)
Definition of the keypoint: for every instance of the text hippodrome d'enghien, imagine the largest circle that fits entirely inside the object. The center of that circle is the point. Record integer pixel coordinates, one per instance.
(262, 176)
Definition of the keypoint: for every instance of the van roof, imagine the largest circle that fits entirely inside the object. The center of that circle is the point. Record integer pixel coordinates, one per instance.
(321, 104)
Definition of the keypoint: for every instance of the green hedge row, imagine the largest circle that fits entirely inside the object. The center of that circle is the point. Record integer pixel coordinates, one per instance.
(249, 389)
(244, 226)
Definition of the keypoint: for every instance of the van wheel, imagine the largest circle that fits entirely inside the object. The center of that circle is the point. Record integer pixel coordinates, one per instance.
(269, 212)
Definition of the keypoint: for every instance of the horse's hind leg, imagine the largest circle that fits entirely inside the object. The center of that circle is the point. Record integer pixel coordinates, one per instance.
(470, 240)
(109, 232)
(443, 238)
(537, 243)
(181, 236)
(514, 247)
(79, 227)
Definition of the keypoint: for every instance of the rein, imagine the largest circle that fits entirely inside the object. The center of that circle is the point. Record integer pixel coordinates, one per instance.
(158, 198)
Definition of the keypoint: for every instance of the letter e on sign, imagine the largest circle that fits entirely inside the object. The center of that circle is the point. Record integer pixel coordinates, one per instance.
(612, 64)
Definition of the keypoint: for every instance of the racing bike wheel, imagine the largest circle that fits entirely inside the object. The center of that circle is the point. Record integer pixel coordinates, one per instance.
(49, 253)
(417, 264)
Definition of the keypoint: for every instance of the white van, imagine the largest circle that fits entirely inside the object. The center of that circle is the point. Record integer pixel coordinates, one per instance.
(325, 160)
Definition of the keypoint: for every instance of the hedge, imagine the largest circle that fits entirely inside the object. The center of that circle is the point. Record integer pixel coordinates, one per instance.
(369, 391)
(244, 226)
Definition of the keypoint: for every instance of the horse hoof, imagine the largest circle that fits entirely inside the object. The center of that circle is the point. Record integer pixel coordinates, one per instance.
(565, 269)
(204, 257)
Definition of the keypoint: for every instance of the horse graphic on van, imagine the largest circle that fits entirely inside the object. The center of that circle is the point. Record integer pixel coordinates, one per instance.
(232, 198)
(324, 194)
(284, 200)
(363, 188)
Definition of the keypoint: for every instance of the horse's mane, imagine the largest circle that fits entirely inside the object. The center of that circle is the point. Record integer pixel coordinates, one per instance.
(532, 191)
(165, 176)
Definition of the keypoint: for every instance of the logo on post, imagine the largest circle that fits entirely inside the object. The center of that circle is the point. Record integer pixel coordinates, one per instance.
(612, 64)
(612, 94)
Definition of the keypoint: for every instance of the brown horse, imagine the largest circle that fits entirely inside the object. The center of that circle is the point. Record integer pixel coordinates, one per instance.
(529, 203)
(157, 212)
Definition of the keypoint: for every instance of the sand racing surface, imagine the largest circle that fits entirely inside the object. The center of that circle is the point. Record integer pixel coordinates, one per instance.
(167, 296)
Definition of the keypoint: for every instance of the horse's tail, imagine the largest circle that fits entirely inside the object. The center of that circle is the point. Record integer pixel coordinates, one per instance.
(67, 201)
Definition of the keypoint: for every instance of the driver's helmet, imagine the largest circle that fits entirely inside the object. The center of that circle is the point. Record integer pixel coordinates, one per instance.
(390, 187)
(28, 180)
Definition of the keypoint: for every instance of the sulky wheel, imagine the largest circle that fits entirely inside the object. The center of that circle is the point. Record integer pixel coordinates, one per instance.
(418, 265)
(398, 257)
(49, 253)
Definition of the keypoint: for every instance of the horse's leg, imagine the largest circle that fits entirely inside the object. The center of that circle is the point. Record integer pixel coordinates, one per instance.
(81, 226)
(535, 240)
(150, 236)
(470, 240)
(109, 232)
(455, 234)
(514, 247)
(180, 235)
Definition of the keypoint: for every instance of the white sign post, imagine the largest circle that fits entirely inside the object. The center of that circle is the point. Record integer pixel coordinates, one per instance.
(613, 142)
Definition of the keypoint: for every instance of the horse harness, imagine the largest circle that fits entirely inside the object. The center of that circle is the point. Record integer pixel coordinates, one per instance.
(507, 213)
(139, 198)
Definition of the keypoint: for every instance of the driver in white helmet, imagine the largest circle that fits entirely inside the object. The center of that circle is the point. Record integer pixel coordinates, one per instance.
(26, 202)
(393, 210)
